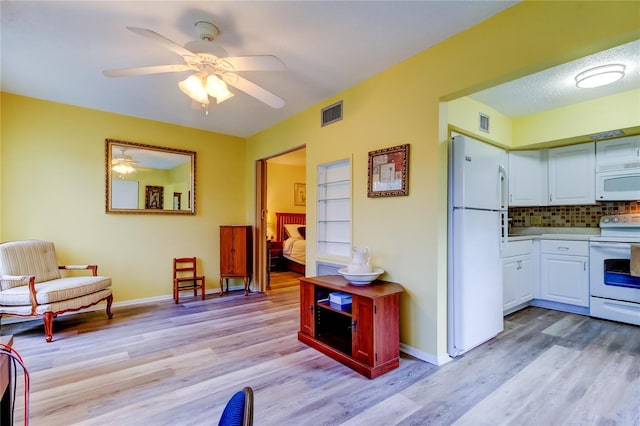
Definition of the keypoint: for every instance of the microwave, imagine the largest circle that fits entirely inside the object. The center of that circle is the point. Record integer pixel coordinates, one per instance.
(618, 182)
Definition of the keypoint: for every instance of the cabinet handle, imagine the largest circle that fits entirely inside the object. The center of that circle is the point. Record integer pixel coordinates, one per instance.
(584, 266)
(563, 248)
(353, 326)
(511, 198)
(550, 197)
(311, 309)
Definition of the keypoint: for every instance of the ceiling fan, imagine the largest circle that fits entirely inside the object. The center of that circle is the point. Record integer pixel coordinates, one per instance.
(124, 164)
(212, 73)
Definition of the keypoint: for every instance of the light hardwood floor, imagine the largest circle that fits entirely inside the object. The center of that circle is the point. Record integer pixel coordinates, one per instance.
(168, 364)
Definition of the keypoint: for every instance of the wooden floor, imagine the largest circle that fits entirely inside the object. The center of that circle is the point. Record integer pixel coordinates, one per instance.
(168, 364)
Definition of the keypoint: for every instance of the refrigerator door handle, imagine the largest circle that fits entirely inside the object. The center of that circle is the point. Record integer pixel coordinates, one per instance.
(502, 186)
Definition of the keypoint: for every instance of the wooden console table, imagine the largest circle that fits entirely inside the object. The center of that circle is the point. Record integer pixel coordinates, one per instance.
(364, 336)
(6, 416)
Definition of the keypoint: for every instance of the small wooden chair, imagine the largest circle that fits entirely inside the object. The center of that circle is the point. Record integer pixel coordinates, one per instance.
(185, 271)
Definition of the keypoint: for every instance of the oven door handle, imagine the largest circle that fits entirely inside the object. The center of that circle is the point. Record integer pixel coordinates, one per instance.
(611, 245)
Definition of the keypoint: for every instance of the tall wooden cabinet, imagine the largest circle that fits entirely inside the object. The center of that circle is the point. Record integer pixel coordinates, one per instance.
(364, 336)
(236, 254)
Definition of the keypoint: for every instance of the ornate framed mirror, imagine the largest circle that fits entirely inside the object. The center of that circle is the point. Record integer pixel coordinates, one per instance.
(148, 179)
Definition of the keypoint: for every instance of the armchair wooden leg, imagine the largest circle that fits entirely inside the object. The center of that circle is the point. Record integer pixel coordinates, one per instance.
(48, 326)
(109, 303)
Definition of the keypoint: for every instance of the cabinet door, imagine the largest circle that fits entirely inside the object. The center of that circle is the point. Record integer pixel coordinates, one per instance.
(307, 309)
(527, 178)
(362, 329)
(617, 151)
(572, 175)
(517, 275)
(226, 250)
(565, 279)
(525, 283)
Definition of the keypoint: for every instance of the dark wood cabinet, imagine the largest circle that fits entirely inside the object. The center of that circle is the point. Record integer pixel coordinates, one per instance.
(364, 336)
(236, 255)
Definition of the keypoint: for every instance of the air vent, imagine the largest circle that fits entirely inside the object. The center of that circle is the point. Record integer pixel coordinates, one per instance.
(606, 135)
(484, 122)
(332, 113)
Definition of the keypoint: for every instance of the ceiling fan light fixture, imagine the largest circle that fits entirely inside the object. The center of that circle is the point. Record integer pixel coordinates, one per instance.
(600, 76)
(193, 86)
(216, 88)
(123, 165)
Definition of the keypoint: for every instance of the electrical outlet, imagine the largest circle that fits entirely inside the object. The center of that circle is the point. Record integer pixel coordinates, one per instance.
(536, 220)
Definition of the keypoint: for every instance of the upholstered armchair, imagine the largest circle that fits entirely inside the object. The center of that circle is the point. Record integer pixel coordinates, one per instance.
(32, 285)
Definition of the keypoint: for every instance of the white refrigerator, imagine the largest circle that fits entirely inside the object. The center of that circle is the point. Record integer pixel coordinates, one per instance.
(477, 231)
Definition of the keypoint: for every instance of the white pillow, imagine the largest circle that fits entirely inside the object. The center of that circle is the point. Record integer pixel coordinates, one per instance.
(292, 230)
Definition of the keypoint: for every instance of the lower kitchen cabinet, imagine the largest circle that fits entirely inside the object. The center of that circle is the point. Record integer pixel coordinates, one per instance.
(364, 336)
(564, 272)
(517, 278)
(517, 274)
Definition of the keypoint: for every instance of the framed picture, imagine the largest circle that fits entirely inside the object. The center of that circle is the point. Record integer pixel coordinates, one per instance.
(299, 194)
(389, 172)
(154, 197)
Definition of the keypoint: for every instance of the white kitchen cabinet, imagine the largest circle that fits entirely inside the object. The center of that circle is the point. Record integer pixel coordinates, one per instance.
(572, 174)
(527, 178)
(617, 151)
(517, 275)
(564, 272)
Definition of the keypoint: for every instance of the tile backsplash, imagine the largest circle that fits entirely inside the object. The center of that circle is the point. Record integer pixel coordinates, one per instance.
(569, 216)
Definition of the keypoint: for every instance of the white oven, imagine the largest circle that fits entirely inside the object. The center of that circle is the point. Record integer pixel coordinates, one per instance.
(615, 294)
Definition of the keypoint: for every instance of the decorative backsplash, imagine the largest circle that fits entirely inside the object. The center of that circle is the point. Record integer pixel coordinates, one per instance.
(570, 216)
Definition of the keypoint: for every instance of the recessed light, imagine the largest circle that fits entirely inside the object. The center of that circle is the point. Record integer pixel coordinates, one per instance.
(600, 76)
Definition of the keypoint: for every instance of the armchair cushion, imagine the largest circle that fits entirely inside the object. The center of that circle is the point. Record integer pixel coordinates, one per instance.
(33, 257)
(54, 291)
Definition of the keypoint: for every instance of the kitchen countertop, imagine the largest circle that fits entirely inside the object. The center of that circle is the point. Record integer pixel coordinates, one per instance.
(549, 233)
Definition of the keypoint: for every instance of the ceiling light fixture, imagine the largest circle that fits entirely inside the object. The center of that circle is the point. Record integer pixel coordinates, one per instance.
(600, 76)
(200, 86)
(123, 164)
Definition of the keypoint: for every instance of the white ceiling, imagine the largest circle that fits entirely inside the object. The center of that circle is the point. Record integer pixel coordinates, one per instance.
(57, 50)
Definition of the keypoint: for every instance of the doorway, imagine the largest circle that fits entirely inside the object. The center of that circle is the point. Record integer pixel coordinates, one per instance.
(281, 188)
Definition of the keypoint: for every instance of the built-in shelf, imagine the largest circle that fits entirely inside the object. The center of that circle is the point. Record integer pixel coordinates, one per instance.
(334, 209)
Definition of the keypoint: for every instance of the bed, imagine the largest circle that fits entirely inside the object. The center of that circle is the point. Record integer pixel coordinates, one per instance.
(291, 230)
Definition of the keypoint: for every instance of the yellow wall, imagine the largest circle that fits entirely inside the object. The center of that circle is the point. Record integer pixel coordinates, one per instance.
(53, 187)
(280, 185)
(556, 127)
(402, 105)
(620, 111)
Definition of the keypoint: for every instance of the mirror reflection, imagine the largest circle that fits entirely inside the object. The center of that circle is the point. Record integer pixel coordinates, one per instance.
(149, 179)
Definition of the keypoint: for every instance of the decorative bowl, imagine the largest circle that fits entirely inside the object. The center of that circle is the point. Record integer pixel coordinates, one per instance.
(361, 278)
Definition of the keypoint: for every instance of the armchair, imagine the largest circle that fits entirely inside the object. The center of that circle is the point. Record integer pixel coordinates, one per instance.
(31, 284)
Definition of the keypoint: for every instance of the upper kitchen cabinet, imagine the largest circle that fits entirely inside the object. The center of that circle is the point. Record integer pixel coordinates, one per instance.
(617, 151)
(527, 178)
(572, 174)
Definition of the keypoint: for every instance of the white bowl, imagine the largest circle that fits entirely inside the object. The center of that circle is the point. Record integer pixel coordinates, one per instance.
(361, 278)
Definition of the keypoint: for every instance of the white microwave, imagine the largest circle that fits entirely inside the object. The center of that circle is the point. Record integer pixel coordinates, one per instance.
(618, 182)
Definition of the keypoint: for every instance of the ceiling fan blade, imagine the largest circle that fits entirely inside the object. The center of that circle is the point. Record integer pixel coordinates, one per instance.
(254, 90)
(126, 72)
(171, 45)
(255, 63)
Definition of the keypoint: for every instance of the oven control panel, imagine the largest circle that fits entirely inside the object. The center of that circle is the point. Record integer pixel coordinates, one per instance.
(620, 220)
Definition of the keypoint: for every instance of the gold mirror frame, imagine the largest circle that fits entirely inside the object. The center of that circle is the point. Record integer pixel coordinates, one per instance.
(164, 178)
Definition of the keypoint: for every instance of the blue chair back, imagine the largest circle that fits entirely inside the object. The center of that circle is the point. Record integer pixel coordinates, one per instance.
(239, 409)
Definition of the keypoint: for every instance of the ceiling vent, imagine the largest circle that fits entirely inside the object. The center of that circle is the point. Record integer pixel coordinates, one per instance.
(484, 122)
(331, 114)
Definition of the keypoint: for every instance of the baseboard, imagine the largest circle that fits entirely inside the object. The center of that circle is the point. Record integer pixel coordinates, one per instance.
(572, 309)
(424, 356)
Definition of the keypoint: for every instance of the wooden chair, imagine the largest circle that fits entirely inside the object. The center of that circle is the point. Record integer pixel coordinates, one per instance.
(185, 277)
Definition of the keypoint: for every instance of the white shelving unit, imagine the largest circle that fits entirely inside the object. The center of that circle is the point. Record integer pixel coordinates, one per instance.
(334, 209)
